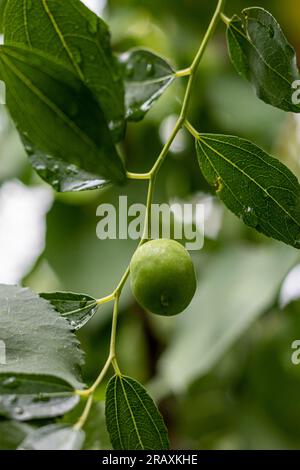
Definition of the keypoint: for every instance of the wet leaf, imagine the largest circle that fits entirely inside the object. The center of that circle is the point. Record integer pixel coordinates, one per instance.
(78, 309)
(146, 76)
(261, 53)
(58, 117)
(54, 437)
(42, 353)
(64, 177)
(256, 187)
(36, 406)
(72, 33)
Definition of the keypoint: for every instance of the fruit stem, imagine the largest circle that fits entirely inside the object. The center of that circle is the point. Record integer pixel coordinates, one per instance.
(82, 419)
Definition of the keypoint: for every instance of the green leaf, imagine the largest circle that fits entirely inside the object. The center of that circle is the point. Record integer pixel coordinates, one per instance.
(132, 418)
(57, 115)
(261, 53)
(54, 437)
(253, 185)
(237, 286)
(78, 309)
(64, 177)
(42, 353)
(12, 434)
(146, 76)
(73, 34)
(36, 406)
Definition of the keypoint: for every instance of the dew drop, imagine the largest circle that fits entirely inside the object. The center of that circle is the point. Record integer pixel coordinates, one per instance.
(249, 217)
(73, 169)
(10, 382)
(115, 125)
(55, 184)
(41, 398)
(150, 69)
(18, 410)
(129, 70)
(40, 167)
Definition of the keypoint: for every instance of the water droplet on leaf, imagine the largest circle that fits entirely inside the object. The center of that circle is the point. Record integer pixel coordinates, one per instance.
(249, 217)
(150, 69)
(10, 382)
(129, 70)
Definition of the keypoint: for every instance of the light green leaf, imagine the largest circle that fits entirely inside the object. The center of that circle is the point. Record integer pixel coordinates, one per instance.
(132, 418)
(261, 53)
(237, 285)
(78, 309)
(54, 437)
(76, 36)
(253, 185)
(57, 115)
(42, 354)
(146, 76)
(36, 406)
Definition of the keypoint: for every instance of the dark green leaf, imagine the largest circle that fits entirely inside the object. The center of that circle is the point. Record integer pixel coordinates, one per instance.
(253, 185)
(146, 77)
(54, 437)
(78, 309)
(12, 434)
(72, 33)
(57, 115)
(42, 353)
(132, 418)
(38, 406)
(261, 53)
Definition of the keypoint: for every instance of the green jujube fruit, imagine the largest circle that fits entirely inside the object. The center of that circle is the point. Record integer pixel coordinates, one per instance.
(163, 278)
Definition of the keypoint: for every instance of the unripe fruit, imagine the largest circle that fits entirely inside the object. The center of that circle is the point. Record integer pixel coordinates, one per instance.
(163, 278)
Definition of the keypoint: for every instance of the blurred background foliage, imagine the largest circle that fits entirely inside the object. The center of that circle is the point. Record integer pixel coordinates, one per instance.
(222, 372)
